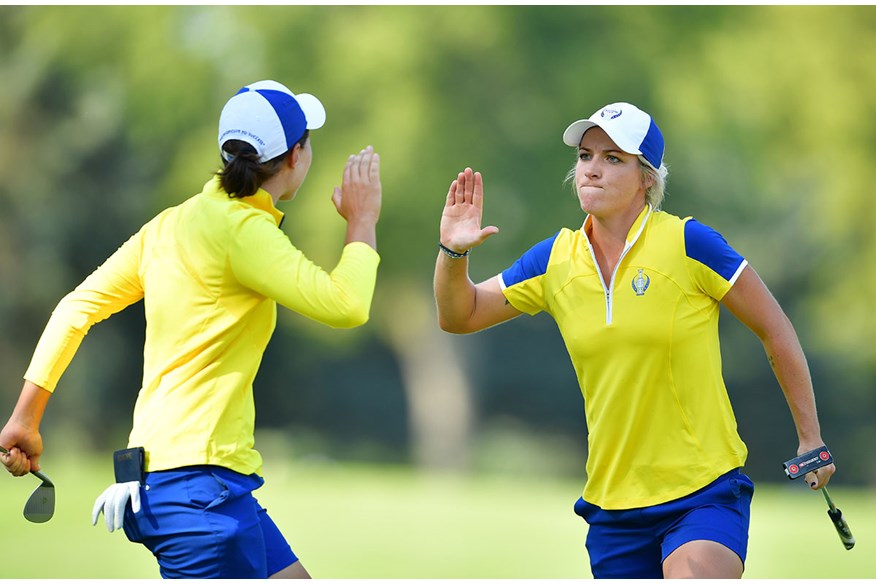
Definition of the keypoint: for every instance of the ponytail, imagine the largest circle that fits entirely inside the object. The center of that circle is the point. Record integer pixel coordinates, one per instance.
(244, 174)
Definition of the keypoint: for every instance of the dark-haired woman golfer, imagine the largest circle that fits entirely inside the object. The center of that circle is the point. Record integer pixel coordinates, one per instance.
(211, 272)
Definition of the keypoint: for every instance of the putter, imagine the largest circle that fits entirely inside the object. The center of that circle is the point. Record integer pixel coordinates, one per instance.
(41, 505)
(808, 462)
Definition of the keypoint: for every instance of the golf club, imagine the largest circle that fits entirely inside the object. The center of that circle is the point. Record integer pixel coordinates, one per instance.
(842, 528)
(812, 461)
(41, 505)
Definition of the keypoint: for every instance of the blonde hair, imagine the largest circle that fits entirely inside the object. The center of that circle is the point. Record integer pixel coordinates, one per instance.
(654, 194)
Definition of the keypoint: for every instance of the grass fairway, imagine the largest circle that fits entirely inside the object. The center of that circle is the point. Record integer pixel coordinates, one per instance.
(354, 521)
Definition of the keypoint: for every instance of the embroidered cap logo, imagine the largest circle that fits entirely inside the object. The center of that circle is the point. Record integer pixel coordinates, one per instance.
(611, 113)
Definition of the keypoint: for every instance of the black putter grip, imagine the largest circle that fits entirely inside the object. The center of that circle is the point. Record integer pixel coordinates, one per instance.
(842, 528)
(807, 462)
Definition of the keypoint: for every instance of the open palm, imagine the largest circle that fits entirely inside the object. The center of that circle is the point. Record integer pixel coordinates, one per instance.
(461, 221)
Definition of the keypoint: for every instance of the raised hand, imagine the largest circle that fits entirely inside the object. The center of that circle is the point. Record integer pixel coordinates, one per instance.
(359, 196)
(461, 221)
(358, 199)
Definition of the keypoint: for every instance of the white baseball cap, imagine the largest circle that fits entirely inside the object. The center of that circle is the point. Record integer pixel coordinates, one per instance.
(268, 116)
(633, 130)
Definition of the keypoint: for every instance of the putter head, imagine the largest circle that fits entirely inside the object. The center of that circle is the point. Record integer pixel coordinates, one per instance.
(40, 507)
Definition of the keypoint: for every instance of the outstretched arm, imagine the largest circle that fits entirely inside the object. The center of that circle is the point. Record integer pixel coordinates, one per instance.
(464, 307)
(110, 288)
(752, 303)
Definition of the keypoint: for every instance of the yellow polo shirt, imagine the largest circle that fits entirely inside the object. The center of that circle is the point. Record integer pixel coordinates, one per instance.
(211, 272)
(645, 347)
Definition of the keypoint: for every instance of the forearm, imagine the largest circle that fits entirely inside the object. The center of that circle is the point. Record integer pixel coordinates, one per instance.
(28, 412)
(364, 230)
(351, 286)
(792, 372)
(341, 298)
(455, 293)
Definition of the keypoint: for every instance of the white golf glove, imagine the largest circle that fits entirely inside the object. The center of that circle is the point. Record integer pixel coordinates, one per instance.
(113, 502)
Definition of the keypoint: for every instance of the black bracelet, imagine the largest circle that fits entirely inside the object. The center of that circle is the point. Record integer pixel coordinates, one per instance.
(453, 254)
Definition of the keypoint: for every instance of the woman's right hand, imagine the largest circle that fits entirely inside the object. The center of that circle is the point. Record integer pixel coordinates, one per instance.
(21, 434)
(461, 221)
(24, 447)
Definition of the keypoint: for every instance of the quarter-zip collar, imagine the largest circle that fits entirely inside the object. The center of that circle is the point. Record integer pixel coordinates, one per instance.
(632, 237)
(262, 199)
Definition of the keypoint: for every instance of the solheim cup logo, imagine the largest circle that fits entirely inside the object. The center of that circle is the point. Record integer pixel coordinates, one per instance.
(641, 283)
(610, 113)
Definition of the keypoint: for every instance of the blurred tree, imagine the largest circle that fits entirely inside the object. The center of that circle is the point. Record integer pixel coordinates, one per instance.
(775, 151)
(108, 114)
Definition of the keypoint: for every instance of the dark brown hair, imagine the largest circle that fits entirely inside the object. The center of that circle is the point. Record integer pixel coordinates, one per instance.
(243, 175)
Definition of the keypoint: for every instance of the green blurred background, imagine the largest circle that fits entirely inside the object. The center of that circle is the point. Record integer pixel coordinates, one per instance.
(397, 450)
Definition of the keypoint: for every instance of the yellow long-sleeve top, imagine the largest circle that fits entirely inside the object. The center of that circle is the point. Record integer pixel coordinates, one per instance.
(211, 272)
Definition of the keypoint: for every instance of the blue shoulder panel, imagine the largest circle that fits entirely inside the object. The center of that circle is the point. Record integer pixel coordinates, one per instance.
(531, 264)
(707, 246)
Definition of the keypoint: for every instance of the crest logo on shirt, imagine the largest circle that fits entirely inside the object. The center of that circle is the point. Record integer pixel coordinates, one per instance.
(641, 282)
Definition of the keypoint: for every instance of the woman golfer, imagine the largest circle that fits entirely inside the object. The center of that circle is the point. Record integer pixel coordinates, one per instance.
(636, 294)
(211, 272)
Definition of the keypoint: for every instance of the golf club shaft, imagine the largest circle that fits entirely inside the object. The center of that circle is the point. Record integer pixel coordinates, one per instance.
(828, 499)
